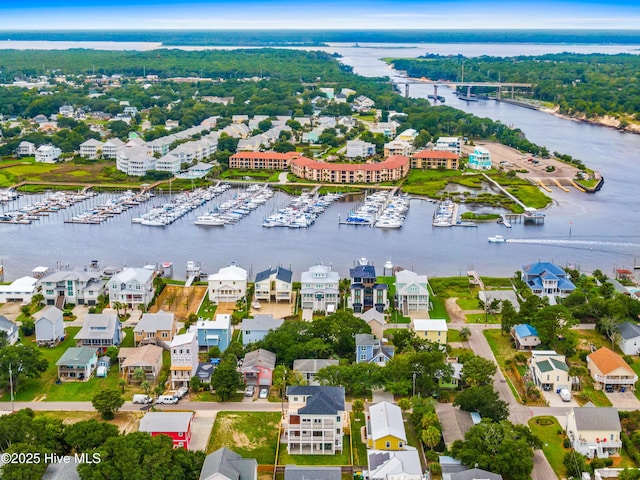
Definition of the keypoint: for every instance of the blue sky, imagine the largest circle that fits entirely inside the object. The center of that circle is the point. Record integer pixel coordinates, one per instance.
(312, 14)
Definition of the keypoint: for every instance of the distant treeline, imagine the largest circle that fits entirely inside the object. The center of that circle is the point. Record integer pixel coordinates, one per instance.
(318, 37)
(589, 84)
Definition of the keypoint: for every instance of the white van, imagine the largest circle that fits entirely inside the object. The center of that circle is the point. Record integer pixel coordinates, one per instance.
(166, 399)
(565, 395)
(141, 398)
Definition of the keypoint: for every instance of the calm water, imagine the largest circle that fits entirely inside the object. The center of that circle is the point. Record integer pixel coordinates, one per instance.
(589, 231)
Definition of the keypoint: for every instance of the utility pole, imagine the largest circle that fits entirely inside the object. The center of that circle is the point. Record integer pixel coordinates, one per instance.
(11, 387)
(284, 389)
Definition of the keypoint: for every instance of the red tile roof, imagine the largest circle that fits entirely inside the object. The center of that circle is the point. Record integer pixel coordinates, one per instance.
(265, 155)
(396, 161)
(434, 154)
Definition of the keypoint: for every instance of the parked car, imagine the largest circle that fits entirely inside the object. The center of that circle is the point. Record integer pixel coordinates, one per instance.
(141, 398)
(250, 390)
(608, 388)
(264, 393)
(181, 392)
(565, 395)
(167, 399)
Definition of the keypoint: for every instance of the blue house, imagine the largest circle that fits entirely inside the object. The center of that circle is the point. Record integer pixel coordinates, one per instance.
(547, 280)
(480, 159)
(370, 350)
(526, 336)
(256, 328)
(214, 333)
(366, 293)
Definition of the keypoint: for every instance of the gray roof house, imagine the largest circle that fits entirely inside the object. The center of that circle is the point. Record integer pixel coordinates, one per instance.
(629, 338)
(49, 326)
(100, 330)
(256, 328)
(10, 328)
(371, 350)
(594, 431)
(274, 283)
(384, 464)
(77, 363)
(308, 367)
(472, 474)
(295, 472)
(225, 464)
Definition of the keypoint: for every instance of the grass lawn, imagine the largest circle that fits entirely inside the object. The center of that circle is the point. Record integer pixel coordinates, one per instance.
(469, 303)
(439, 310)
(359, 448)
(207, 309)
(343, 458)
(128, 338)
(127, 422)
(482, 318)
(251, 434)
(501, 346)
(546, 429)
(453, 335)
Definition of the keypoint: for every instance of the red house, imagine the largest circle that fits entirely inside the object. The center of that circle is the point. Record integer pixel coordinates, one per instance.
(176, 425)
(257, 367)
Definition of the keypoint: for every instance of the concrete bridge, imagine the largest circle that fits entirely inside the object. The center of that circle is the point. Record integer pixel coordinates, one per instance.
(436, 83)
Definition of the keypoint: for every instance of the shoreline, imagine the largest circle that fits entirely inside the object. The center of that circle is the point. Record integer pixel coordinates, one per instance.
(606, 121)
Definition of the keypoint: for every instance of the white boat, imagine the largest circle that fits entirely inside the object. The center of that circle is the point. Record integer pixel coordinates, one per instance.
(388, 223)
(210, 220)
(255, 305)
(497, 239)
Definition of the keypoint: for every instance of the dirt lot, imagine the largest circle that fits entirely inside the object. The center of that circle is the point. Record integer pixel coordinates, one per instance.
(180, 300)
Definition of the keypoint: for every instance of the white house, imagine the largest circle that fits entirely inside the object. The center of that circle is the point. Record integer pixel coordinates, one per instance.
(228, 285)
(549, 370)
(25, 149)
(359, 148)
(49, 326)
(397, 147)
(47, 154)
(90, 148)
(21, 290)
(412, 291)
(449, 144)
(594, 431)
(10, 328)
(184, 359)
(79, 286)
(110, 147)
(135, 160)
(629, 338)
(320, 289)
(132, 286)
(274, 283)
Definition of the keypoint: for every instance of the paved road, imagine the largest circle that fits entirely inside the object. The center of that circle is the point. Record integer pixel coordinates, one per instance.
(130, 407)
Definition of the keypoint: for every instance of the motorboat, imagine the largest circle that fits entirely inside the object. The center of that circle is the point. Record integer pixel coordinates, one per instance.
(497, 239)
(255, 305)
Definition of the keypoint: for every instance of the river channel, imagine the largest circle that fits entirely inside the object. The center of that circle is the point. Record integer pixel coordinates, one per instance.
(588, 231)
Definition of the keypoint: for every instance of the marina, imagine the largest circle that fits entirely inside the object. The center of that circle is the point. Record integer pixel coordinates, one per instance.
(52, 202)
(110, 208)
(380, 209)
(445, 214)
(302, 211)
(241, 205)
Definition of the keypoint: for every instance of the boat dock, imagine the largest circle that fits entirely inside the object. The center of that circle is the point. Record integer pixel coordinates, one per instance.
(446, 214)
(302, 212)
(380, 209)
(53, 203)
(110, 208)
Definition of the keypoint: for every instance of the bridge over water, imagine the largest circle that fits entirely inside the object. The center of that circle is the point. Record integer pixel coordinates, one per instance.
(436, 83)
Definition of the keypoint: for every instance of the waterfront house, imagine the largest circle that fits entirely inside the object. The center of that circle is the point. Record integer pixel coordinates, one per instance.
(148, 358)
(412, 292)
(257, 368)
(594, 431)
(385, 427)
(320, 289)
(77, 363)
(20, 290)
(433, 330)
(176, 425)
(366, 292)
(430, 159)
(449, 144)
(525, 336)
(48, 154)
(610, 371)
(132, 286)
(371, 350)
(25, 149)
(100, 330)
(545, 279)
(184, 359)
(274, 284)
(49, 323)
(549, 370)
(158, 328)
(225, 464)
(479, 159)
(309, 367)
(315, 420)
(398, 464)
(91, 149)
(214, 333)
(228, 285)
(256, 328)
(78, 286)
(10, 329)
(629, 341)
(135, 160)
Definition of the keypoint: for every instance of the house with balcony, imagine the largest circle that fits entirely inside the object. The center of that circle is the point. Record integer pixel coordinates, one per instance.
(359, 148)
(49, 324)
(148, 358)
(228, 285)
(78, 286)
(48, 154)
(371, 350)
(110, 148)
(225, 464)
(449, 144)
(315, 421)
(412, 292)
(176, 425)
(549, 370)
(156, 328)
(77, 363)
(433, 330)
(385, 427)
(547, 280)
(274, 284)
(430, 159)
(397, 147)
(594, 431)
(366, 292)
(214, 333)
(257, 368)
(629, 341)
(256, 328)
(609, 371)
(479, 159)
(100, 330)
(11, 330)
(184, 359)
(525, 336)
(25, 149)
(20, 290)
(320, 289)
(309, 367)
(90, 149)
(132, 286)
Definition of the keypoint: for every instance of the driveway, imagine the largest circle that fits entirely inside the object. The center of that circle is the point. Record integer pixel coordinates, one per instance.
(11, 310)
(201, 429)
(554, 400)
(625, 401)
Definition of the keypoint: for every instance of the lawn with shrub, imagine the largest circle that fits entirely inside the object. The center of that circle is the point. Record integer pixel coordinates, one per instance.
(251, 434)
(549, 431)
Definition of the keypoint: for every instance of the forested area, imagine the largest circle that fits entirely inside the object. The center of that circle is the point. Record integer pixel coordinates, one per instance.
(589, 84)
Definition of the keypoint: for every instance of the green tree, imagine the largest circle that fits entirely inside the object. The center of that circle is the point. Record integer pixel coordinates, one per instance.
(25, 470)
(357, 406)
(465, 333)
(404, 404)
(145, 386)
(196, 384)
(575, 464)
(478, 371)
(107, 402)
(430, 436)
(508, 316)
(139, 375)
(483, 400)
(226, 379)
(214, 352)
(88, 434)
(23, 361)
(629, 474)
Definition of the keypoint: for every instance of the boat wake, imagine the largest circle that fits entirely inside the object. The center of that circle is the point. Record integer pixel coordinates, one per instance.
(594, 243)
